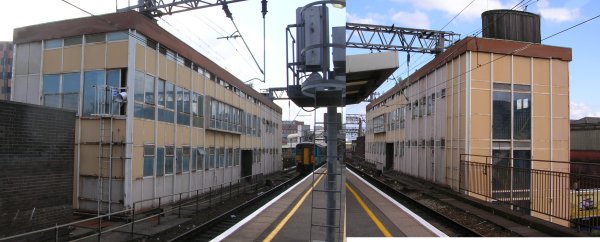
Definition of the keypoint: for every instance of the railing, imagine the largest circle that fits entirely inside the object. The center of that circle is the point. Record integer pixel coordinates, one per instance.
(536, 187)
(203, 198)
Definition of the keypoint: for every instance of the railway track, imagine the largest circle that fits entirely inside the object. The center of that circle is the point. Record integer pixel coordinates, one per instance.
(448, 224)
(219, 224)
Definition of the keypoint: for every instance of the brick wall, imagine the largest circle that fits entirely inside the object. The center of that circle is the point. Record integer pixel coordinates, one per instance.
(36, 167)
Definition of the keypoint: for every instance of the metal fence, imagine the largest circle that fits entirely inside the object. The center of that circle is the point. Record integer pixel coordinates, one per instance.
(145, 210)
(541, 188)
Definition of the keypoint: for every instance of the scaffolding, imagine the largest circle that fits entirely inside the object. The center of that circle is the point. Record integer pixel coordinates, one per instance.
(108, 102)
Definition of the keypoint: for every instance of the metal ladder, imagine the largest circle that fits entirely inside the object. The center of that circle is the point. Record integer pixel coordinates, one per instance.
(333, 183)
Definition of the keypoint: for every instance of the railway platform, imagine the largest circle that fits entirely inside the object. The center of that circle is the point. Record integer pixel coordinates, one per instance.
(367, 212)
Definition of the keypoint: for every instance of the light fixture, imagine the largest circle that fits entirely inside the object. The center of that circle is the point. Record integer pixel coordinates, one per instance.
(121, 97)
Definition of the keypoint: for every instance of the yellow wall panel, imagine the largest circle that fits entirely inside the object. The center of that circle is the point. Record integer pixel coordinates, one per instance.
(52, 61)
(151, 61)
(564, 90)
(480, 102)
(502, 68)
(541, 105)
(148, 132)
(560, 106)
(219, 92)
(210, 139)
(88, 164)
(117, 55)
(138, 131)
(540, 89)
(162, 67)
(483, 71)
(171, 71)
(479, 84)
(137, 162)
(541, 132)
(480, 127)
(560, 129)
(72, 59)
(560, 73)
(541, 71)
(183, 135)
(522, 74)
(184, 76)
(94, 56)
(140, 57)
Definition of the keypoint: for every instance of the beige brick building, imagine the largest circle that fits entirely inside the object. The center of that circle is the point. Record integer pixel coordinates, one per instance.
(187, 124)
(484, 98)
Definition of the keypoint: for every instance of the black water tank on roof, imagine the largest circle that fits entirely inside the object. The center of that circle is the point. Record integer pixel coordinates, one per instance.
(511, 25)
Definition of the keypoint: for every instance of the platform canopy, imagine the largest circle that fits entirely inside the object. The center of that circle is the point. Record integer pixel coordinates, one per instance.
(366, 72)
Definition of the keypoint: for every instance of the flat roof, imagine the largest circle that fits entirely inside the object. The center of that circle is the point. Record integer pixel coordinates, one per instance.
(496, 46)
(131, 20)
(366, 72)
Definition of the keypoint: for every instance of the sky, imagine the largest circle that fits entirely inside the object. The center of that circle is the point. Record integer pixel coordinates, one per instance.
(201, 28)
(556, 15)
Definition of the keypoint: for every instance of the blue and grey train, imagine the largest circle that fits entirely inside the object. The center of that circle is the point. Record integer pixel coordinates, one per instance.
(309, 155)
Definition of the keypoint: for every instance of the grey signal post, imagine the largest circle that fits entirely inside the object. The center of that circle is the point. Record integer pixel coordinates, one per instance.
(326, 88)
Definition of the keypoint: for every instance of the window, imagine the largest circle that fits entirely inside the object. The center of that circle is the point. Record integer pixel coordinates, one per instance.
(186, 159)
(160, 93)
(501, 114)
(116, 36)
(169, 156)
(501, 174)
(139, 86)
(212, 158)
(221, 157)
(160, 161)
(148, 160)
(144, 96)
(522, 116)
(75, 40)
(51, 90)
(70, 90)
(379, 124)
(443, 93)
(200, 154)
(178, 160)
(170, 95)
(53, 44)
(430, 101)
(230, 157)
(149, 90)
(237, 157)
(423, 107)
(91, 80)
(183, 102)
(415, 109)
(95, 38)
(61, 93)
(197, 107)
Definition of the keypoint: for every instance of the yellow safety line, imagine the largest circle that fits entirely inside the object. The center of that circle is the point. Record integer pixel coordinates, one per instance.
(291, 213)
(380, 225)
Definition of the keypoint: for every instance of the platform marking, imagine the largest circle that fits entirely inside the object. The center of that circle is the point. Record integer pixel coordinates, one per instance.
(364, 206)
(287, 217)
(247, 219)
(425, 224)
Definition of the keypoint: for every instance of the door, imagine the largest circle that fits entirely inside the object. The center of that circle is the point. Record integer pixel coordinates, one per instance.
(246, 163)
(389, 156)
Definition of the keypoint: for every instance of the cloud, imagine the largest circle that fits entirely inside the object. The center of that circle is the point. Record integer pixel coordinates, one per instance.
(416, 19)
(370, 18)
(581, 110)
(451, 8)
(555, 14)
(560, 14)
